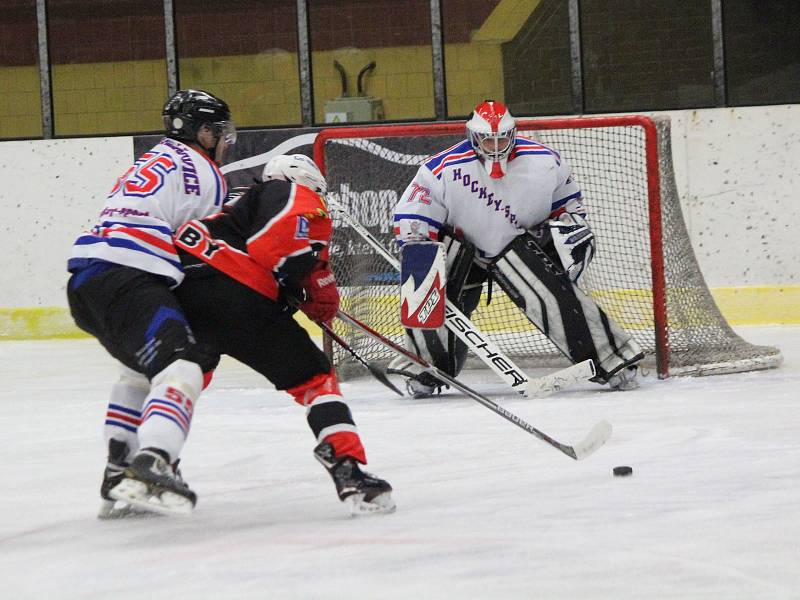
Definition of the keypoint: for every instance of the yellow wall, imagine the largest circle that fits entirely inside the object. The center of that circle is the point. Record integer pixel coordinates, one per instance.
(474, 73)
(110, 97)
(20, 103)
(262, 89)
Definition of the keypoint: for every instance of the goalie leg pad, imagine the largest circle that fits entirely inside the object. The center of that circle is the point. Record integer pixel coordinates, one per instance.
(422, 288)
(441, 347)
(575, 324)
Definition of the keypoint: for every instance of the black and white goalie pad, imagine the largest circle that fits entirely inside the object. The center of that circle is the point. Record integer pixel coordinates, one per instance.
(575, 324)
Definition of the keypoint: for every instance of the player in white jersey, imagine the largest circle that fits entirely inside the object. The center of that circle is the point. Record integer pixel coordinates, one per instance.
(123, 271)
(485, 194)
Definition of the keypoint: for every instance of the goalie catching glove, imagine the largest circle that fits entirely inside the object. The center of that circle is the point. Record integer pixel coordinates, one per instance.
(574, 241)
(321, 296)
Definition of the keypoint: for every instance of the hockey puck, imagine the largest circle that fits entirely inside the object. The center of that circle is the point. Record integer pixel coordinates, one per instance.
(623, 471)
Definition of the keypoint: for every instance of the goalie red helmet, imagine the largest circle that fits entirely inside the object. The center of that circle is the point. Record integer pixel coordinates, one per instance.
(297, 168)
(492, 132)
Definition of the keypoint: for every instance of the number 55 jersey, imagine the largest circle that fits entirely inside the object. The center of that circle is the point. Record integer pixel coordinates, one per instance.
(168, 186)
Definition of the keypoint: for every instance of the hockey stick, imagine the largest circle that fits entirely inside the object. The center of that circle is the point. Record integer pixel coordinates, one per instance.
(378, 372)
(598, 435)
(465, 330)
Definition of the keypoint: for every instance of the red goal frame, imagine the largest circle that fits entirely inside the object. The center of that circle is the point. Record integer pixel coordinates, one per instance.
(653, 188)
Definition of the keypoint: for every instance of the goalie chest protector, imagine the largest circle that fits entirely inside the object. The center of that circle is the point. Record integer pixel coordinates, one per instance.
(422, 285)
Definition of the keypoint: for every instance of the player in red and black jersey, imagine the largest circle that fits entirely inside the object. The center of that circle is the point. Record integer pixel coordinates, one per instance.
(245, 268)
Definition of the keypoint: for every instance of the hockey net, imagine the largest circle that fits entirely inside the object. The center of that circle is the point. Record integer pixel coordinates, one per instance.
(645, 274)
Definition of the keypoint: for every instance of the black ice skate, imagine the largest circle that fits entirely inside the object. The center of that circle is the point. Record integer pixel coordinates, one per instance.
(151, 483)
(361, 492)
(424, 385)
(112, 475)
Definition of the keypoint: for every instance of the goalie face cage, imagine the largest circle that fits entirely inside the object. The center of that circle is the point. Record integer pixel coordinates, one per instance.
(645, 274)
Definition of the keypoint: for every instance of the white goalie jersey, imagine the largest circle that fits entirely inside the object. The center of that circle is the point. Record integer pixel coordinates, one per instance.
(453, 188)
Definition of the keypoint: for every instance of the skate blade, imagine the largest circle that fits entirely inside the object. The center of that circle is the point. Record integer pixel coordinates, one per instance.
(115, 509)
(137, 494)
(380, 505)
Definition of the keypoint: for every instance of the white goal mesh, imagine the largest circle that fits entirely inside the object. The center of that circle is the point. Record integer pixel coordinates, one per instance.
(644, 275)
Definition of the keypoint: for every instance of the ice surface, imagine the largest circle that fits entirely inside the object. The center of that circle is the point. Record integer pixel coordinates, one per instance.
(485, 510)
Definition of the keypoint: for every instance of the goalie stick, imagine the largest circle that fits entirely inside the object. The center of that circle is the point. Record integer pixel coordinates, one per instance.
(596, 437)
(465, 330)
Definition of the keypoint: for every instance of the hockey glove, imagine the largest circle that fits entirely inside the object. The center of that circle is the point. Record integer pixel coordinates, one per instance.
(574, 242)
(321, 296)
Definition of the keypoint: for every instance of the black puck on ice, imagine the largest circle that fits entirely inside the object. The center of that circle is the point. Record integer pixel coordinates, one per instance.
(623, 471)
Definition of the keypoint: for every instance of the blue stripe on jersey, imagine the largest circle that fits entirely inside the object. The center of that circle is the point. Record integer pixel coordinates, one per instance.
(467, 159)
(165, 230)
(532, 151)
(86, 240)
(563, 201)
(218, 195)
(428, 220)
(437, 159)
(526, 146)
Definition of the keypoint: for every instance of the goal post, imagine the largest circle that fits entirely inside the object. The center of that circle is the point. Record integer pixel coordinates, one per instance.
(645, 274)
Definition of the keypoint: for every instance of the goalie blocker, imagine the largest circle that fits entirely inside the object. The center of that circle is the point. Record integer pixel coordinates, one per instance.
(577, 326)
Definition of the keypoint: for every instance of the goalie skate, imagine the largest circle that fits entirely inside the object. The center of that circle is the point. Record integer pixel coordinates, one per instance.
(624, 380)
(151, 484)
(362, 493)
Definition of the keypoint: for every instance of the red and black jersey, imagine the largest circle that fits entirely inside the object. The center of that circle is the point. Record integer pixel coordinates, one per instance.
(274, 234)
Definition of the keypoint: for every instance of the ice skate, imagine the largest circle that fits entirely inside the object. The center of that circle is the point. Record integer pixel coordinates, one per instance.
(361, 492)
(152, 484)
(112, 476)
(625, 379)
(424, 385)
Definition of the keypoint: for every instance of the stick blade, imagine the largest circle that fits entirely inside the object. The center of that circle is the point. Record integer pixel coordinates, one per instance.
(598, 436)
(559, 380)
(379, 373)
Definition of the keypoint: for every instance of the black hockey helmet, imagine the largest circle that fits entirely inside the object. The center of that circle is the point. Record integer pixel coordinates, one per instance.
(188, 110)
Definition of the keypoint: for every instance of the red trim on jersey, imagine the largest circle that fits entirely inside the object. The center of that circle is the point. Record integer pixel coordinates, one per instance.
(141, 235)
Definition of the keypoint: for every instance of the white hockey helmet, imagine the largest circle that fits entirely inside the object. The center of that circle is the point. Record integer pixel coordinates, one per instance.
(296, 168)
(492, 132)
